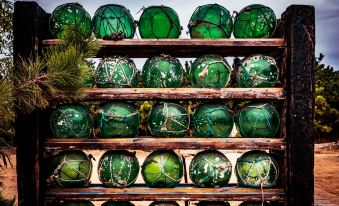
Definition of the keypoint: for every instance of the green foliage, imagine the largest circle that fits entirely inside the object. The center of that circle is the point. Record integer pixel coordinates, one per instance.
(6, 37)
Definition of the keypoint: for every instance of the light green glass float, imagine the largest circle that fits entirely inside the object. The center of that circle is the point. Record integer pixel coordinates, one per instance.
(255, 21)
(117, 203)
(118, 168)
(258, 120)
(77, 203)
(70, 16)
(250, 203)
(70, 169)
(211, 21)
(210, 168)
(168, 120)
(213, 203)
(113, 20)
(157, 22)
(71, 121)
(257, 169)
(116, 72)
(164, 203)
(211, 71)
(119, 119)
(212, 120)
(162, 169)
(162, 71)
(257, 71)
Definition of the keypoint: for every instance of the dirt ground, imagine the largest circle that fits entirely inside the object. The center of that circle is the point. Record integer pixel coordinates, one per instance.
(326, 177)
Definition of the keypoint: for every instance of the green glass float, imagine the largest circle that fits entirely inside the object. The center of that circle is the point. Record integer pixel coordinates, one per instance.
(70, 16)
(211, 21)
(212, 120)
(255, 21)
(164, 203)
(211, 71)
(162, 71)
(116, 72)
(213, 203)
(77, 203)
(157, 22)
(162, 169)
(117, 203)
(210, 168)
(168, 120)
(250, 203)
(257, 169)
(118, 168)
(113, 19)
(258, 120)
(257, 71)
(119, 119)
(70, 169)
(71, 121)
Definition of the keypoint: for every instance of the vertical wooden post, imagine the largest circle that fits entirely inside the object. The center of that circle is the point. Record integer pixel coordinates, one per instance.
(30, 27)
(298, 26)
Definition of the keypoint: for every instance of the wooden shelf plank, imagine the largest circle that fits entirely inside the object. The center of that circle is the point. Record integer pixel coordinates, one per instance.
(151, 143)
(94, 94)
(186, 47)
(182, 192)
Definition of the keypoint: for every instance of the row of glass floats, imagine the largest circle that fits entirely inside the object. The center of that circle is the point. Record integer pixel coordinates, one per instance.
(208, 21)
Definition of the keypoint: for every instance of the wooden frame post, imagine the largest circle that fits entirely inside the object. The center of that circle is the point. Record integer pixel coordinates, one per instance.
(299, 33)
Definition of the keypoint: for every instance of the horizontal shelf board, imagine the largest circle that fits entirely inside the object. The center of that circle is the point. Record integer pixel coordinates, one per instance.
(181, 192)
(182, 93)
(186, 47)
(151, 143)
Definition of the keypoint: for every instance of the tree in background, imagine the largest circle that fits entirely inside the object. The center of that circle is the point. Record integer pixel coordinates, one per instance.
(6, 34)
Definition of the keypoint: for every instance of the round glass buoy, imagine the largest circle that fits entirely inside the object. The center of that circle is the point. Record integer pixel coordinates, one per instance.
(76, 203)
(164, 203)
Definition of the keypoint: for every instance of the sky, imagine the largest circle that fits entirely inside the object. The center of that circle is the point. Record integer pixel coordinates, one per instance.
(327, 16)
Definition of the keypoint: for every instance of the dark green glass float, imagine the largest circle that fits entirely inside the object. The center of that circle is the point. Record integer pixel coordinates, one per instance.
(70, 169)
(157, 22)
(211, 71)
(210, 168)
(257, 71)
(213, 203)
(255, 21)
(77, 203)
(162, 71)
(164, 203)
(212, 120)
(162, 169)
(211, 21)
(113, 19)
(258, 120)
(71, 121)
(70, 16)
(250, 203)
(119, 119)
(118, 168)
(168, 120)
(116, 72)
(257, 169)
(117, 203)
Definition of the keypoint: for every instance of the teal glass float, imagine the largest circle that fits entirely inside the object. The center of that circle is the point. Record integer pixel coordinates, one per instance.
(258, 120)
(164, 203)
(77, 203)
(118, 168)
(168, 120)
(71, 121)
(162, 71)
(213, 203)
(70, 169)
(251, 203)
(162, 169)
(113, 20)
(210, 168)
(212, 120)
(119, 119)
(210, 71)
(70, 16)
(257, 71)
(255, 21)
(257, 169)
(116, 72)
(117, 203)
(157, 22)
(211, 21)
